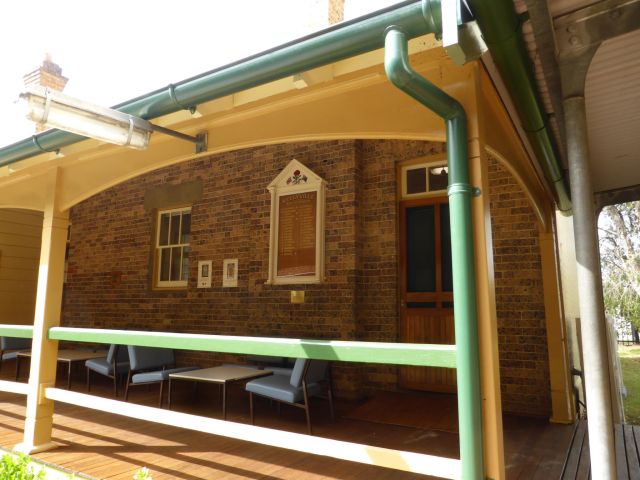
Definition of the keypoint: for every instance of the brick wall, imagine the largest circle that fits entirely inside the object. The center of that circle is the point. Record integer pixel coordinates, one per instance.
(109, 279)
(377, 292)
(524, 364)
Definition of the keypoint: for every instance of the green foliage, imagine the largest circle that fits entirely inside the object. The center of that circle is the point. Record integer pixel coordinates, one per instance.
(142, 474)
(619, 232)
(18, 467)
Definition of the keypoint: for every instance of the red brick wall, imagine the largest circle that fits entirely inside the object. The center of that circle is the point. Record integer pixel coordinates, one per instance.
(524, 364)
(377, 292)
(109, 279)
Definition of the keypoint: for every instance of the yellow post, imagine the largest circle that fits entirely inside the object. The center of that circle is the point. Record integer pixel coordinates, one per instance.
(39, 417)
(562, 406)
(485, 285)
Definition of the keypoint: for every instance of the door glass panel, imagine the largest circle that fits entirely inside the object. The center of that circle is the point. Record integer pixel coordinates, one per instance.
(421, 271)
(445, 246)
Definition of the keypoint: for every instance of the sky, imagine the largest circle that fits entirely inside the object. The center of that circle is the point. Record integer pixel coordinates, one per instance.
(115, 50)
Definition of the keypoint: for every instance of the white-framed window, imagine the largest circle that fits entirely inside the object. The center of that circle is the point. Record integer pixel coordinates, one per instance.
(296, 247)
(172, 248)
(424, 179)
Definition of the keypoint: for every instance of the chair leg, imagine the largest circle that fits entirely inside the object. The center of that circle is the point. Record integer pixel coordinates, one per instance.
(126, 388)
(331, 409)
(161, 391)
(306, 407)
(251, 408)
(115, 384)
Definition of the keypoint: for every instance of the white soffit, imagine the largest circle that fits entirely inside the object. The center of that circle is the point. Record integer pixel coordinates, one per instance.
(612, 96)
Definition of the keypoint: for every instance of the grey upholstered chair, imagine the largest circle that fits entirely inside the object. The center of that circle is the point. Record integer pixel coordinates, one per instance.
(151, 365)
(309, 378)
(10, 346)
(117, 360)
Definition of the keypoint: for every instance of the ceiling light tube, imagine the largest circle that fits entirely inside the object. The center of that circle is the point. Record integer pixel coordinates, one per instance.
(57, 110)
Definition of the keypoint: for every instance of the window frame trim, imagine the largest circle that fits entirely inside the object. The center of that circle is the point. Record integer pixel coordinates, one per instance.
(168, 284)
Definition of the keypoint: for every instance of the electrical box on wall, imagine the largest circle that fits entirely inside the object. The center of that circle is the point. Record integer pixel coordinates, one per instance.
(204, 273)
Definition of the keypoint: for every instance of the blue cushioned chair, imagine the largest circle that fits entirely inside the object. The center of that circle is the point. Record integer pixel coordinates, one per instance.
(117, 360)
(309, 378)
(10, 346)
(151, 365)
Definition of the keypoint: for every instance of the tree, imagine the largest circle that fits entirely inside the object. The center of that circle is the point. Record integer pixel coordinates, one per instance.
(619, 231)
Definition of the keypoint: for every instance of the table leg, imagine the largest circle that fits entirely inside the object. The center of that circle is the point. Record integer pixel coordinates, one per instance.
(69, 376)
(169, 396)
(224, 400)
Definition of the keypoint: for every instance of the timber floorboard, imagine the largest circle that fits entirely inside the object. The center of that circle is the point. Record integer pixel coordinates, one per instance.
(108, 446)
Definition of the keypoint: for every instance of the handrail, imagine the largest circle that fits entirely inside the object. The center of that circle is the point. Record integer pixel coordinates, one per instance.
(334, 350)
(16, 331)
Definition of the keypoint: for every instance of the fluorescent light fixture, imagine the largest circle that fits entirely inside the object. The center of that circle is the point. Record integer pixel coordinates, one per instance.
(57, 110)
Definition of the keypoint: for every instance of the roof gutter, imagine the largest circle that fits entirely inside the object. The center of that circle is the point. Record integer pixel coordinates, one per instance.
(500, 26)
(331, 45)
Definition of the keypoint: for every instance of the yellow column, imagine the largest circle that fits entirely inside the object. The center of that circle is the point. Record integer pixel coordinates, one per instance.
(487, 320)
(562, 403)
(39, 417)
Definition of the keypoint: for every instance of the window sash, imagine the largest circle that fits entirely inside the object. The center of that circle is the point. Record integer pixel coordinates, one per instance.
(172, 247)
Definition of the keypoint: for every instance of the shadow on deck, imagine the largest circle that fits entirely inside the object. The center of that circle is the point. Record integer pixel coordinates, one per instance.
(104, 445)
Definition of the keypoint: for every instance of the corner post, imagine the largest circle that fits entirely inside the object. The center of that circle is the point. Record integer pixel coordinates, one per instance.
(42, 374)
(562, 401)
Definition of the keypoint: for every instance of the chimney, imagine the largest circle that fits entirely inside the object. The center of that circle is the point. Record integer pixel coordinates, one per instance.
(322, 13)
(49, 75)
(336, 11)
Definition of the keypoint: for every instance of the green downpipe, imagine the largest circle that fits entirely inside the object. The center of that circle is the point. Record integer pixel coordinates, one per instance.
(500, 26)
(464, 280)
(331, 45)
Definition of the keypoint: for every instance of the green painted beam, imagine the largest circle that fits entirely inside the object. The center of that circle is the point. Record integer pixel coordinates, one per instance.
(369, 352)
(16, 331)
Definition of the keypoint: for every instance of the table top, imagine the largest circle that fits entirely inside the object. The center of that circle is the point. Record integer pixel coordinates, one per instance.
(221, 374)
(72, 355)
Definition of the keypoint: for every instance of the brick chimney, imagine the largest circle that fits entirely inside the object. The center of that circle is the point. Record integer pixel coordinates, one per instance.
(49, 75)
(336, 11)
(322, 13)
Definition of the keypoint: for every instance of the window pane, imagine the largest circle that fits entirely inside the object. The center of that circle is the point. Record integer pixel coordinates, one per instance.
(438, 178)
(421, 271)
(163, 236)
(165, 259)
(417, 180)
(185, 263)
(176, 260)
(445, 245)
(186, 228)
(174, 233)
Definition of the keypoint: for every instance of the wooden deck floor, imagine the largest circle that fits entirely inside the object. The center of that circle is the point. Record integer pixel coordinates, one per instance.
(103, 445)
(627, 446)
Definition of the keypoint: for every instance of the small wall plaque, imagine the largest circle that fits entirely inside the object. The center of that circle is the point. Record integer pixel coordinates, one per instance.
(204, 273)
(230, 272)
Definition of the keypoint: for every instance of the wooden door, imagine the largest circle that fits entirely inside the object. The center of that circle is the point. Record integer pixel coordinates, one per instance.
(426, 288)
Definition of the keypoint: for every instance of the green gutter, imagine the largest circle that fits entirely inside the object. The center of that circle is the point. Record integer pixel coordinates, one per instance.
(331, 45)
(500, 26)
(464, 278)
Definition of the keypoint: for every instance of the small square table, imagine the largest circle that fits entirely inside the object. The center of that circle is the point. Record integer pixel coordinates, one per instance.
(65, 356)
(220, 375)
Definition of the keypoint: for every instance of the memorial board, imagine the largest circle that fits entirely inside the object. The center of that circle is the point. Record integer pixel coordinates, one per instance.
(297, 215)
